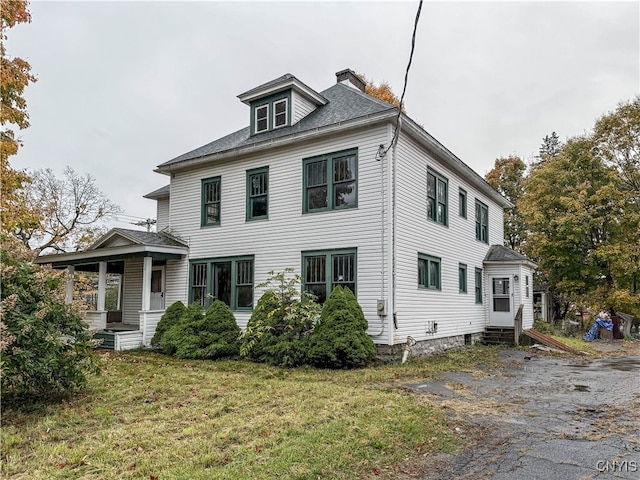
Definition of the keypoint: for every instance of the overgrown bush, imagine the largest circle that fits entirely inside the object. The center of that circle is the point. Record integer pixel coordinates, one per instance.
(340, 338)
(170, 317)
(212, 335)
(281, 324)
(46, 350)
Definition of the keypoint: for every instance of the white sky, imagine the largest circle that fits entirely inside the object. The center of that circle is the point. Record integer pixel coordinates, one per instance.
(125, 86)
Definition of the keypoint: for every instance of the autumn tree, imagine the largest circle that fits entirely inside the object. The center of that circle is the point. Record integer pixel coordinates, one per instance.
(507, 178)
(381, 91)
(70, 211)
(617, 140)
(15, 76)
(583, 228)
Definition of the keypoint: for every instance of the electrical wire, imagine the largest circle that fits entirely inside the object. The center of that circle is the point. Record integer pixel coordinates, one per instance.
(396, 133)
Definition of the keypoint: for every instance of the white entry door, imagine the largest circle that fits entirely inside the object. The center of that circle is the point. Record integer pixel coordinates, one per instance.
(157, 288)
(501, 308)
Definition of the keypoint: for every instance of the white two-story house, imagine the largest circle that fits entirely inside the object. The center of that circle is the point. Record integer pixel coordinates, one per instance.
(341, 188)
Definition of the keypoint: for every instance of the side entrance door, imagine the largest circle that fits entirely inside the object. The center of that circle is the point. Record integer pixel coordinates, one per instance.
(157, 288)
(501, 308)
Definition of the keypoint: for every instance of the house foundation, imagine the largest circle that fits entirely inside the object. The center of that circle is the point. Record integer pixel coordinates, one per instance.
(424, 348)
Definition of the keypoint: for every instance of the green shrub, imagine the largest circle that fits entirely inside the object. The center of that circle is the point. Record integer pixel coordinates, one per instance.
(170, 317)
(340, 338)
(213, 335)
(281, 324)
(46, 349)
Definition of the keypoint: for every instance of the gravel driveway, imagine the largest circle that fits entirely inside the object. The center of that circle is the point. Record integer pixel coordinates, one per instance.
(542, 417)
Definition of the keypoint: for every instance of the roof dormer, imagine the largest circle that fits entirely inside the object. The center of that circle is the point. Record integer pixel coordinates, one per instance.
(280, 103)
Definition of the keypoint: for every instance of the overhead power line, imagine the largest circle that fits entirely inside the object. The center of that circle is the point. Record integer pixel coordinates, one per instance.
(396, 133)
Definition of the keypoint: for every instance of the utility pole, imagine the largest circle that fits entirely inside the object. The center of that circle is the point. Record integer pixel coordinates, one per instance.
(148, 222)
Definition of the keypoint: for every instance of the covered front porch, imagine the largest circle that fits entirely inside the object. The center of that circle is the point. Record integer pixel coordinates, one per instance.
(138, 260)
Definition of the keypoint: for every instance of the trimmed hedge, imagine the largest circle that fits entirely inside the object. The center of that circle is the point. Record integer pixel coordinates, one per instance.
(170, 317)
(340, 338)
(213, 335)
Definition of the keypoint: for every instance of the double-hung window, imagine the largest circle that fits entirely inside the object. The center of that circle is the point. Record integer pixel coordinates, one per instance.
(429, 272)
(322, 271)
(280, 111)
(211, 195)
(330, 181)
(462, 278)
(262, 118)
(482, 222)
(227, 279)
(462, 203)
(437, 186)
(258, 193)
(478, 285)
(271, 112)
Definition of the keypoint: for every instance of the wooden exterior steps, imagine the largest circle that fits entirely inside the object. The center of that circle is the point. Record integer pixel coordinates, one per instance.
(499, 336)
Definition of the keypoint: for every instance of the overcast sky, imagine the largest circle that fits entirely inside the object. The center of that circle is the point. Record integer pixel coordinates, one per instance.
(125, 86)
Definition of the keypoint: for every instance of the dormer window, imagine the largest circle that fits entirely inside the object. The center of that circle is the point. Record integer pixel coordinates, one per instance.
(262, 118)
(280, 113)
(271, 112)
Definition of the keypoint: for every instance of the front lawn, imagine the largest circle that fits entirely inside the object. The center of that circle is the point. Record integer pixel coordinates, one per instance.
(151, 416)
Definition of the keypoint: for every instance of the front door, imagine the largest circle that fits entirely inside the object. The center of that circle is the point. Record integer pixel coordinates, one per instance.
(501, 314)
(157, 288)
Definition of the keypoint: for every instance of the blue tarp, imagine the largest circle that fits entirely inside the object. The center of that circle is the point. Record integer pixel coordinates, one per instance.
(600, 322)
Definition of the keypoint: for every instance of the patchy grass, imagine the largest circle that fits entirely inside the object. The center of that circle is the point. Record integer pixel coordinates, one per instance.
(151, 416)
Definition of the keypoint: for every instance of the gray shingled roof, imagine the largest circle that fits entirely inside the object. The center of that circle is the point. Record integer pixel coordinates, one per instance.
(159, 193)
(500, 253)
(286, 76)
(148, 238)
(345, 103)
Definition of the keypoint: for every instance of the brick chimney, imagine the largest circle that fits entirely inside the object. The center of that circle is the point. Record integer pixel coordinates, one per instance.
(351, 78)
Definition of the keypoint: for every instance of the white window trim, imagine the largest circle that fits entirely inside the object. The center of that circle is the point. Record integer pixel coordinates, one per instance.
(255, 120)
(286, 113)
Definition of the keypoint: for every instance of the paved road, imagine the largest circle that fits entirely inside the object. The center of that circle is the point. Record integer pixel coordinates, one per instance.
(545, 418)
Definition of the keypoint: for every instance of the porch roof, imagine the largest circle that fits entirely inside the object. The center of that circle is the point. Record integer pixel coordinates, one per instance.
(119, 244)
(499, 254)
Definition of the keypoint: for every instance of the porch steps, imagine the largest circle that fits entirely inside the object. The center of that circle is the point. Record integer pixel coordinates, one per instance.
(108, 340)
(498, 336)
(547, 340)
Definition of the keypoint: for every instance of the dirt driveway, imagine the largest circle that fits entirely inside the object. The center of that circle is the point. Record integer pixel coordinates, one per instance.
(541, 417)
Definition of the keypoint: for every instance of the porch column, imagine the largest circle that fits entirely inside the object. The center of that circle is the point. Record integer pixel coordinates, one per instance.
(102, 286)
(70, 272)
(146, 283)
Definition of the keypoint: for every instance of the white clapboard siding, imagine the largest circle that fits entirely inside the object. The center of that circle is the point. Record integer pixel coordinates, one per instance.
(277, 243)
(162, 214)
(301, 107)
(132, 296)
(127, 341)
(177, 277)
(455, 313)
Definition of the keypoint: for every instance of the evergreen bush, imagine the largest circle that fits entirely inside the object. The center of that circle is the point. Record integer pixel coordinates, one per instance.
(340, 338)
(170, 317)
(210, 336)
